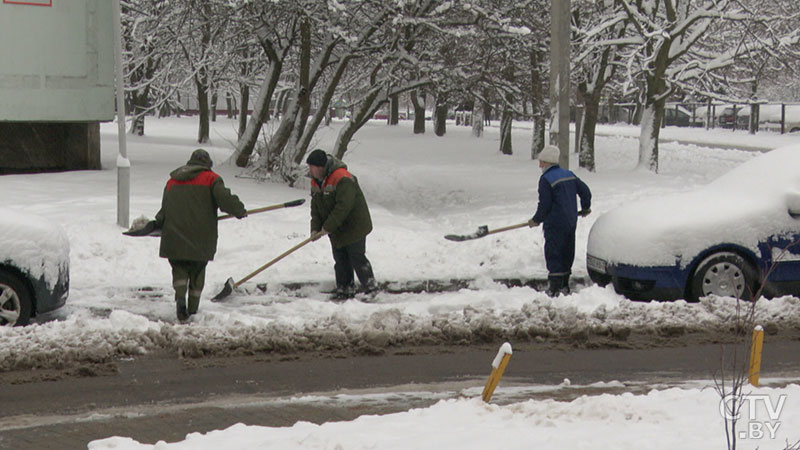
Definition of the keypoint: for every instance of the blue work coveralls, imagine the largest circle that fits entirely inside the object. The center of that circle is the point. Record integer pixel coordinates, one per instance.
(558, 213)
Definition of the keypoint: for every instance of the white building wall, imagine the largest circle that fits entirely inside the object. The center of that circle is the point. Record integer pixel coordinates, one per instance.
(56, 60)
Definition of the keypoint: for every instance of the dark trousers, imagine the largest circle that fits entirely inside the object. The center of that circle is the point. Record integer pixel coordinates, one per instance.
(188, 277)
(352, 258)
(559, 250)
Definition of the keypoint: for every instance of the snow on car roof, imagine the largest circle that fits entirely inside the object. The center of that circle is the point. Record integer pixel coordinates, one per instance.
(33, 244)
(742, 206)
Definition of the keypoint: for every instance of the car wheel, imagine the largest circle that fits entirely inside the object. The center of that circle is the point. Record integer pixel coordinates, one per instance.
(723, 274)
(15, 301)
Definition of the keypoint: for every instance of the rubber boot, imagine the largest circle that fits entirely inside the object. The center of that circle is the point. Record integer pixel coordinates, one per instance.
(344, 292)
(194, 304)
(180, 309)
(565, 285)
(554, 286)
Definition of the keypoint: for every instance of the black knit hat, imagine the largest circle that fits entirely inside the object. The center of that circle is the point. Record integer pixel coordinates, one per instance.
(317, 158)
(200, 157)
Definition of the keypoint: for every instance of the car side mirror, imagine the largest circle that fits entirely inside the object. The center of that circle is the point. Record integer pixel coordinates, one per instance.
(793, 204)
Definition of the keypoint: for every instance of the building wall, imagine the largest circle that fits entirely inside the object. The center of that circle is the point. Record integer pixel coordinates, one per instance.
(56, 82)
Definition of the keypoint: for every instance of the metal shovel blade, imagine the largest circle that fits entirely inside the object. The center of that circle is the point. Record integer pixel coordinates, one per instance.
(482, 231)
(226, 290)
(148, 229)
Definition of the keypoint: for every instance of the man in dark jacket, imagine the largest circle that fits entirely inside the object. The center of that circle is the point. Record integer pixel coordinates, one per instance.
(558, 213)
(339, 208)
(188, 220)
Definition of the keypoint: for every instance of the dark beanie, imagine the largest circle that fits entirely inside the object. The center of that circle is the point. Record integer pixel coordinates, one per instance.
(200, 157)
(317, 158)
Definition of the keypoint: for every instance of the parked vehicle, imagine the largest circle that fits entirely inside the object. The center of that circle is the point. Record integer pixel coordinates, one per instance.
(726, 118)
(677, 116)
(727, 238)
(34, 267)
(770, 118)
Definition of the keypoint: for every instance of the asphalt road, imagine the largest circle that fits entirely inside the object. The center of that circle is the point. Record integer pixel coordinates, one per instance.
(161, 397)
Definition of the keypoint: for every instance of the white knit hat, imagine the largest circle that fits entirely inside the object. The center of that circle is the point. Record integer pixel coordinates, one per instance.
(549, 154)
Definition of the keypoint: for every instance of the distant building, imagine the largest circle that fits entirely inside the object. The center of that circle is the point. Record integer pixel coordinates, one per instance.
(56, 83)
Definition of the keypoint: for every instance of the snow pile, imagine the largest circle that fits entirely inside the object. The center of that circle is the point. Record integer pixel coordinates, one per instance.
(465, 317)
(661, 419)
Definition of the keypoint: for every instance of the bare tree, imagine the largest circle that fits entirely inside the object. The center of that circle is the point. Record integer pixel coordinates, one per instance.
(732, 374)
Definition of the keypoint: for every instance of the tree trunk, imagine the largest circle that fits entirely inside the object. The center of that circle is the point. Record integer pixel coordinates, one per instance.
(591, 107)
(653, 114)
(201, 82)
(394, 110)
(248, 139)
(419, 112)
(230, 106)
(323, 111)
(638, 111)
(505, 131)
(360, 116)
(537, 103)
(440, 116)
(538, 133)
(244, 104)
(648, 137)
(214, 100)
(139, 101)
(477, 120)
(755, 110)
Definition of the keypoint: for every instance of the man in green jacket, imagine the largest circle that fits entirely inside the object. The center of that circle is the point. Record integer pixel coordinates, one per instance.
(188, 222)
(339, 208)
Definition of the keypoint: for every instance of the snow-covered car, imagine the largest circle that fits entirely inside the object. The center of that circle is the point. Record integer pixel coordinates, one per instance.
(34, 266)
(725, 238)
(771, 116)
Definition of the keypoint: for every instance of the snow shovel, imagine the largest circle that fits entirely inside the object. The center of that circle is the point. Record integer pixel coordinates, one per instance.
(230, 285)
(151, 229)
(484, 230)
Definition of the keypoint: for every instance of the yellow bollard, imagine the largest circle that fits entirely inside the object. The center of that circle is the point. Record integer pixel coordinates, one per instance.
(498, 367)
(755, 355)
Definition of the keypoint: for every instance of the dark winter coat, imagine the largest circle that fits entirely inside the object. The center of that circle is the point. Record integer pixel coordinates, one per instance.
(188, 215)
(558, 213)
(558, 205)
(339, 206)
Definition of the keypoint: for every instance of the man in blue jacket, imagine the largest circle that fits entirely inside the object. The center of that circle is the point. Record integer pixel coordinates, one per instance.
(558, 213)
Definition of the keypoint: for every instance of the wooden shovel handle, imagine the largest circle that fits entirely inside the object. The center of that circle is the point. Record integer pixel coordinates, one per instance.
(313, 237)
(509, 228)
(267, 208)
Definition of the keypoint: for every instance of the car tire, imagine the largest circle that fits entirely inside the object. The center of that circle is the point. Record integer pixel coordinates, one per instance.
(723, 274)
(15, 300)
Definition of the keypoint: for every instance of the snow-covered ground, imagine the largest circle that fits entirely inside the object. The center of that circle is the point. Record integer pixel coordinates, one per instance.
(686, 417)
(419, 188)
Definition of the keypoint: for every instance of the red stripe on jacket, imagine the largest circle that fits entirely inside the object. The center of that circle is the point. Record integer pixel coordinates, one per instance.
(334, 178)
(206, 178)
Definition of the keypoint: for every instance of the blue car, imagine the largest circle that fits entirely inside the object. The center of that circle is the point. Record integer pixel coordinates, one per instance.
(34, 267)
(736, 236)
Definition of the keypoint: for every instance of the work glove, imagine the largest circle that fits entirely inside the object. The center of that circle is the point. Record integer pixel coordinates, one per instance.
(315, 235)
(584, 212)
(533, 224)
